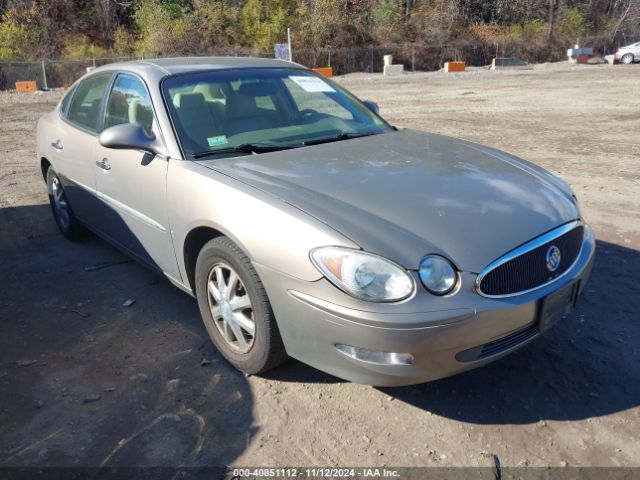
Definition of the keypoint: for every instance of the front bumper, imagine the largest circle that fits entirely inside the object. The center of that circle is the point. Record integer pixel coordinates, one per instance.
(439, 332)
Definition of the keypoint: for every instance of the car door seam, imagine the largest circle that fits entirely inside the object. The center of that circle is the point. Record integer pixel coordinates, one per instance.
(131, 211)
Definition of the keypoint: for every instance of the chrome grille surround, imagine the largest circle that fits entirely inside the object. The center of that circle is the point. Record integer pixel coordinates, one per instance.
(526, 248)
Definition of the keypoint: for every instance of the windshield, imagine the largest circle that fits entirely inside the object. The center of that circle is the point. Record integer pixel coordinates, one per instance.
(248, 111)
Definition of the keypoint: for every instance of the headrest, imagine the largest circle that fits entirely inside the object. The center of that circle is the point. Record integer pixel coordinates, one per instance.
(258, 89)
(141, 114)
(211, 91)
(134, 110)
(241, 106)
(188, 100)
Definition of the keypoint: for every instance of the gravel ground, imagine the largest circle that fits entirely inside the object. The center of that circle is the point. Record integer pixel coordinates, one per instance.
(87, 381)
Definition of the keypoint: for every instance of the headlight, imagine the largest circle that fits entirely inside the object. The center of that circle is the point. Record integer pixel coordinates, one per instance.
(363, 275)
(438, 275)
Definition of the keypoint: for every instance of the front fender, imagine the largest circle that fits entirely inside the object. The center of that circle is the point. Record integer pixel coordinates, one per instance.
(271, 232)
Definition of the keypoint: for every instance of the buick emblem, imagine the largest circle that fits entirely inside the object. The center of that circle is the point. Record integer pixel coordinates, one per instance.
(553, 258)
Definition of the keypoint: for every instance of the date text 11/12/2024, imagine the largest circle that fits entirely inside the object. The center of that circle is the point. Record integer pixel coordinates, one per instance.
(341, 473)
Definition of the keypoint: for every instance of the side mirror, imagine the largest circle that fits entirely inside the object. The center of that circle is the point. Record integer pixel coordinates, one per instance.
(373, 106)
(130, 136)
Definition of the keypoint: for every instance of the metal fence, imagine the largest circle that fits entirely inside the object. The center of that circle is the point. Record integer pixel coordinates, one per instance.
(62, 73)
(49, 73)
(414, 57)
(425, 57)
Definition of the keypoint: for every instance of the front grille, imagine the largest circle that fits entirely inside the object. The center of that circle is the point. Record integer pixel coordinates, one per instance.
(529, 270)
(497, 346)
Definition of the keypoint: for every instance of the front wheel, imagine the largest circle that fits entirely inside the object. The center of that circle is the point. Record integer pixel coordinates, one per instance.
(67, 222)
(627, 58)
(235, 308)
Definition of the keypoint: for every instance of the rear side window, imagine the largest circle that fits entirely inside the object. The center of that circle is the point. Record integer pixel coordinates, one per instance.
(129, 102)
(84, 109)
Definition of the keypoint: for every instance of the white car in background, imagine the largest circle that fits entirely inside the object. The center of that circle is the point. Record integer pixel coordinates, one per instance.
(628, 54)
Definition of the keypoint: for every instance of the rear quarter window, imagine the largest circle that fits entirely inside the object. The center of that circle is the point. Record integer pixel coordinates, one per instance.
(64, 104)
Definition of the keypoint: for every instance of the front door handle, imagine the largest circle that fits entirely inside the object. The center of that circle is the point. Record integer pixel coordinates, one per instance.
(104, 164)
(57, 145)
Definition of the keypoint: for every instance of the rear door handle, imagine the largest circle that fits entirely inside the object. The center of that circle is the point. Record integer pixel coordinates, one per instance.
(104, 164)
(57, 145)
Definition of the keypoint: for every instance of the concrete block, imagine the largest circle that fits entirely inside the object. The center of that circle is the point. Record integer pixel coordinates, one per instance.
(454, 66)
(388, 60)
(508, 62)
(610, 59)
(391, 70)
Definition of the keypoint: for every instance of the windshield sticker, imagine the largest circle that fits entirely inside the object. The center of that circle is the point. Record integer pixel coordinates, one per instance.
(219, 140)
(312, 84)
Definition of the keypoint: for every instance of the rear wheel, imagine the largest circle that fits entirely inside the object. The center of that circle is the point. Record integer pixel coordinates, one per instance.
(627, 58)
(235, 308)
(67, 222)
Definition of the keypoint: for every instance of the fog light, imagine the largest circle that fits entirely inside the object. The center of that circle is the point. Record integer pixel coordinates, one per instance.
(374, 356)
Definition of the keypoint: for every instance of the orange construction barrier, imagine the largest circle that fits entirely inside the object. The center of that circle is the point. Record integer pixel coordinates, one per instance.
(454, 66)
(26, 87)
(326, 71)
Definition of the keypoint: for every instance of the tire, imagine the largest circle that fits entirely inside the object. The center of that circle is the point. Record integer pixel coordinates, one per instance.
(63, 214)
(250, 353)
(627, 58)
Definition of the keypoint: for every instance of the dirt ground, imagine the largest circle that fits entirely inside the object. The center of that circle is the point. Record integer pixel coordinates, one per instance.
(85, 381)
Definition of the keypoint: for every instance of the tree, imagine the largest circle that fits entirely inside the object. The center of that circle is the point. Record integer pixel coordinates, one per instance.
(435, 21)
(162, 28)
(572, 25)
(14, 41)
(552, 17)
(217, 23)
(319, 23)
(535, 29)
(22, 34)
(389, 22)
(124, 42)
(79, 46)
(265, 22)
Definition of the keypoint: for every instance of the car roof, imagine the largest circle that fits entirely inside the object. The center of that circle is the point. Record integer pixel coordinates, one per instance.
(178, 65)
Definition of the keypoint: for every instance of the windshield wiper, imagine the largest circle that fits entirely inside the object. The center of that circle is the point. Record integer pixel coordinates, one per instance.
(339, 137)
(265, 147)
(244, 148)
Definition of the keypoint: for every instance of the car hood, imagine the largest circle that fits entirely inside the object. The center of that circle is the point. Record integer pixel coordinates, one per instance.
(406, 194)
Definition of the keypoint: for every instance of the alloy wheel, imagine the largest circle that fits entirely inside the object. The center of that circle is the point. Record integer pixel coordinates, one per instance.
(231, 308)
(60, 203)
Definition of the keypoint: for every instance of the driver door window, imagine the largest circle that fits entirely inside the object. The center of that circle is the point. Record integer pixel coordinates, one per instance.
(129, 102)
